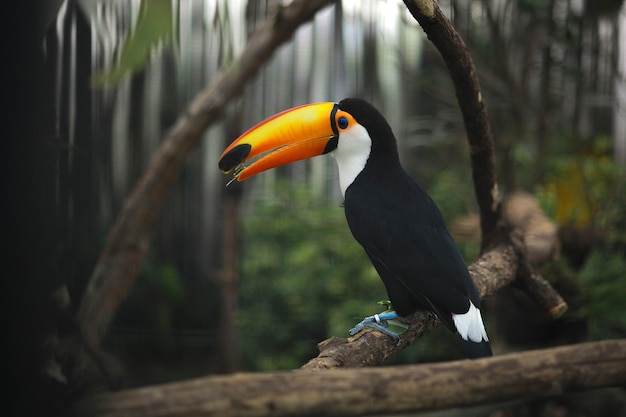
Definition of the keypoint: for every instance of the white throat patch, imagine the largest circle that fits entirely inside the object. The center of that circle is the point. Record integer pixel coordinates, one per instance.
(353, 151)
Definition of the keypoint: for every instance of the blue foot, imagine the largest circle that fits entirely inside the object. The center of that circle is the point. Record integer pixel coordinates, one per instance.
(378, 322)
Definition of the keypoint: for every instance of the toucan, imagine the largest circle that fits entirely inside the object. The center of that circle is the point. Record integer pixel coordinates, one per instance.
(389, 214)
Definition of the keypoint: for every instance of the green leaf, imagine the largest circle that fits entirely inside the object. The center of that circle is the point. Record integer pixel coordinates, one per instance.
(154, 28)
(603, 292)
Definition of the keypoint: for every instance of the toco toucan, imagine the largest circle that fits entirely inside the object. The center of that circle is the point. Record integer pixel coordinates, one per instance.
(398, 224)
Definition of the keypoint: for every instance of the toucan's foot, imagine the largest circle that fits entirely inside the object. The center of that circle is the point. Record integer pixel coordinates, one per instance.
(378, 322)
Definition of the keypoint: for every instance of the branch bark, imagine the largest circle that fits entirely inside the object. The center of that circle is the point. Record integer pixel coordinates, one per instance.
(461, 68)
(122, 258)
(371, 391)
(540, 236)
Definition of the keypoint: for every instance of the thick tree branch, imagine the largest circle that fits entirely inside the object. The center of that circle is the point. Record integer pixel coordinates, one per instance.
(122, 258)
(371, 391)
(459, 62)
(539, 235)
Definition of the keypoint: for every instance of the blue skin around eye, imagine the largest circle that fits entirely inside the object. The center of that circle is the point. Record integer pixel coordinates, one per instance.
(342, 122)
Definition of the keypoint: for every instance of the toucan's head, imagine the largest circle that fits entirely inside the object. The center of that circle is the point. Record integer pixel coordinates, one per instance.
(353, 131)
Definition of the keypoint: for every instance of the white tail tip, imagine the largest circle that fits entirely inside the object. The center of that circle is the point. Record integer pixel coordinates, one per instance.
(470, 325)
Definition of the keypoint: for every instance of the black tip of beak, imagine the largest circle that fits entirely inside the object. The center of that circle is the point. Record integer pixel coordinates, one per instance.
(234, 157)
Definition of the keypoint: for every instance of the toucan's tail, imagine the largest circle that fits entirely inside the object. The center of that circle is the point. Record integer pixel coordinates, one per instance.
(474, 338)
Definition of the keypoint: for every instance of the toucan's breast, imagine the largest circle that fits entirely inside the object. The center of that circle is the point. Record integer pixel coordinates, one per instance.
(402, 229)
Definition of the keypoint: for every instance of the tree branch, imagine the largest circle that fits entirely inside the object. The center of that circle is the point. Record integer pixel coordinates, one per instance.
(371, 391)
(459, 62)
(124, 253)
(539, 235)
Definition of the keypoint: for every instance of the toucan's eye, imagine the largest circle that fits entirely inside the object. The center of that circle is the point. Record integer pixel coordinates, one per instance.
(342, 122)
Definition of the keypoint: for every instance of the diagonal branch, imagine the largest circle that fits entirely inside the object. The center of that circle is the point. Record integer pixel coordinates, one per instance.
(122, 258)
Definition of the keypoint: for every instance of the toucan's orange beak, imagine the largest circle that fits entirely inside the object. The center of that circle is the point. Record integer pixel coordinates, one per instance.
(295, 134)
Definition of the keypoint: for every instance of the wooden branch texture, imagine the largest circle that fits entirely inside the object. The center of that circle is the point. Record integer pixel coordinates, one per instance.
(540, 236)
(122, 258)
(371, 391)
(461, 68)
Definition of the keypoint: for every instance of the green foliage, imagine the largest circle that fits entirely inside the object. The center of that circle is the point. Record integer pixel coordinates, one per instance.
(454, 194)
(585, 188)
(154, 305)
(603, 292)
(531, 5)
(304, 278)
(165, 290)
(155, 26)
(164, 278)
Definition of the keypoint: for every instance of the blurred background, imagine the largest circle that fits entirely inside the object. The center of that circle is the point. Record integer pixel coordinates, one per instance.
(251, 277)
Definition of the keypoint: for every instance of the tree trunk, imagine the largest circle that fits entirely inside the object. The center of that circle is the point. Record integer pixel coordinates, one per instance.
(228, 341)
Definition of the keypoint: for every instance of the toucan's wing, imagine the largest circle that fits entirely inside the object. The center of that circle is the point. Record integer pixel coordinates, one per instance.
(411, 249)
(404, 298)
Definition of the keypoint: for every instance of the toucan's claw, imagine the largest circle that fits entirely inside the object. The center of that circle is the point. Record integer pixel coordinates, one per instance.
(375, 326)
(379, 322)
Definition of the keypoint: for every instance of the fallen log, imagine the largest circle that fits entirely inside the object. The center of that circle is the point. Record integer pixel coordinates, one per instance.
(380, 390)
